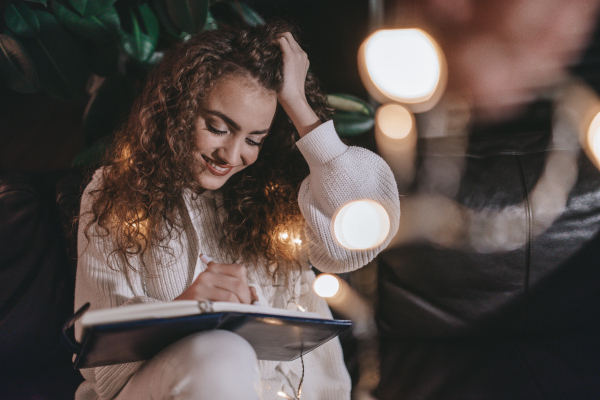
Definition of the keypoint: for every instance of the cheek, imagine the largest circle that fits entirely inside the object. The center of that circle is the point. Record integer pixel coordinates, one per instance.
(251, 155)
(205, 141)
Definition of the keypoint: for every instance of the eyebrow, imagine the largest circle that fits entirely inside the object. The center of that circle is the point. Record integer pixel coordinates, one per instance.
(231, 122)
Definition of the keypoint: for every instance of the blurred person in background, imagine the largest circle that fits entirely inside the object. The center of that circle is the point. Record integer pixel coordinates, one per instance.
(491, 288)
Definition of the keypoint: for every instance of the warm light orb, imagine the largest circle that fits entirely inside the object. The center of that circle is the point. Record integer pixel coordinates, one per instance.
(283, 236)
(402, 65)
(594, 136)
(326, 285)
(361, 225)
(394, 121)
(297, 241)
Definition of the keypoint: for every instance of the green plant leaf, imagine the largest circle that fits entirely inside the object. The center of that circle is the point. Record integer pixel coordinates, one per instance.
(108, 108)
(87, 8)
(248, 14)
(17, 71)
(141, 42)
(58, 58)
(43, 2)
(98, 28)
(91, 155)
(211, 23)
(188, 15)
(21, 20)
(150, 20)
(349, 103)
(155, 58)
(352, 124)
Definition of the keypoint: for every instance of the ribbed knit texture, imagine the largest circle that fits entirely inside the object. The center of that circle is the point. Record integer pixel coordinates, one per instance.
(338, 174)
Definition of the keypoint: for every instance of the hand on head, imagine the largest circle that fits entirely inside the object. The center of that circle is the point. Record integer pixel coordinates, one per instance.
(292, 96)
(295, 68)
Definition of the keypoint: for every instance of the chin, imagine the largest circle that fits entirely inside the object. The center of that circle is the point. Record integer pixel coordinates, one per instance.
(211, 183)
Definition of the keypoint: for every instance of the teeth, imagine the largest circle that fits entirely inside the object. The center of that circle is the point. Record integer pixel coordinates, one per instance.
(215, 166)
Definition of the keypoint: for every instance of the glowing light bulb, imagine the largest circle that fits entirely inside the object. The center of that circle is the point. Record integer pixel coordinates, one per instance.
(297, 241)
(361, 225)
(283, 236)
(594, 136)
(403, 65)
(326, 285)
(394, 121)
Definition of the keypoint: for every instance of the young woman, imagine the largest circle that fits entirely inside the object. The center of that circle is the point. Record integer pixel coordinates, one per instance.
(209, 162)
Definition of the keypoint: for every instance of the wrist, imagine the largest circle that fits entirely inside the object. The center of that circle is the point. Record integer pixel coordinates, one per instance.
(302, 115)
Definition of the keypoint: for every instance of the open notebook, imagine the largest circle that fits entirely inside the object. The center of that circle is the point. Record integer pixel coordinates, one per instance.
(138, 332)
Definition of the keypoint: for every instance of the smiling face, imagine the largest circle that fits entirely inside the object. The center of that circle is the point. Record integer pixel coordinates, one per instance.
(233, 123)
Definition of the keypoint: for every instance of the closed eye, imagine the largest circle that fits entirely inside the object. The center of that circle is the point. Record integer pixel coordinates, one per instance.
(252, 142)
(214, 130)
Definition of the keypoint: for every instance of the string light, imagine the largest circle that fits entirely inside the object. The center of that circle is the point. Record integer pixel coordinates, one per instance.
(394, 121)
(300, 307)
(283, 394)
(593, 135)
(326, 285)
(403, 65)
(347, 302)
(361, 225)
(396, 138)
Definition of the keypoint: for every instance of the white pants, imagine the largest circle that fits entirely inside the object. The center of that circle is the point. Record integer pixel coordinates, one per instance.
(209, 365)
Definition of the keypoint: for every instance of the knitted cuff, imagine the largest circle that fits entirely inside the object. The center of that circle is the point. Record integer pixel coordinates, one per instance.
(321, 145)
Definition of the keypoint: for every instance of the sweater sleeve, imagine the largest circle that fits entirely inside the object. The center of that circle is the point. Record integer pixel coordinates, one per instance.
(103, 287)
(340, 174)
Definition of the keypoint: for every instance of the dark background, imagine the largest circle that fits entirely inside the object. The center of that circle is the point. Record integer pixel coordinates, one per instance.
(38, 133)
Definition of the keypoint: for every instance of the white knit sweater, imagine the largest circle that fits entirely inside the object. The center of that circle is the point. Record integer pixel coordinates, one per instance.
(338, 174)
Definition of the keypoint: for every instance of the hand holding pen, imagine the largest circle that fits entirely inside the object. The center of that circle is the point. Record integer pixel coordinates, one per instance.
(220, 282)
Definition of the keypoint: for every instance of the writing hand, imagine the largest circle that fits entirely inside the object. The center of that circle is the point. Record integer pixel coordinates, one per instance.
(220, 282)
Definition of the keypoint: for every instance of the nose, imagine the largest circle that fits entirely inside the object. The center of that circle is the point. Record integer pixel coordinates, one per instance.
(231, 151)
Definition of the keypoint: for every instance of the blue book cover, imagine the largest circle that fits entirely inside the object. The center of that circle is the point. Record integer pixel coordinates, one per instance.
(138, 332)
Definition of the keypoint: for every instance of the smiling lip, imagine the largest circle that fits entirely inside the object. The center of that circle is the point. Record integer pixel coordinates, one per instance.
(216, 168)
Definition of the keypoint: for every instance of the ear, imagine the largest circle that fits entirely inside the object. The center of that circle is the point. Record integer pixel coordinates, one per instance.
(451, 11)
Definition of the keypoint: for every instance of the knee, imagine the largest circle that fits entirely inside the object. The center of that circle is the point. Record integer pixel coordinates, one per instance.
(218, 349)
(216, 365)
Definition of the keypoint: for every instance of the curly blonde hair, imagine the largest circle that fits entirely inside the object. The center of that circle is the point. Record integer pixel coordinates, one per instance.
(152, 158)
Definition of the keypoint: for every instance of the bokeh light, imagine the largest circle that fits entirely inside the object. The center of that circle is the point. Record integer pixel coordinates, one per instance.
(394, 121)
(284, 395)
(361, 225)
(594, 136)
(403, 65)
(326, 285)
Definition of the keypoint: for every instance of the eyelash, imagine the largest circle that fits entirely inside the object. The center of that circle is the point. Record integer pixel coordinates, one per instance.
(215, 130)
(218, 132)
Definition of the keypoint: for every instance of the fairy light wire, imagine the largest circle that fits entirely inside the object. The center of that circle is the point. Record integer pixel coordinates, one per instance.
(287, 396)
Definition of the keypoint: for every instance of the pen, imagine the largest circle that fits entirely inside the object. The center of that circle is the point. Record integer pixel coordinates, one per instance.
(206, 259)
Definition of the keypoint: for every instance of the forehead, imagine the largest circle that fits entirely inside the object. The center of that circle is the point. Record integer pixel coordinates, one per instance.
(243, 100)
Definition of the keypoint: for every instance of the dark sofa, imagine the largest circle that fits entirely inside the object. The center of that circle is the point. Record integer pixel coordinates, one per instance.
(37, 275)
